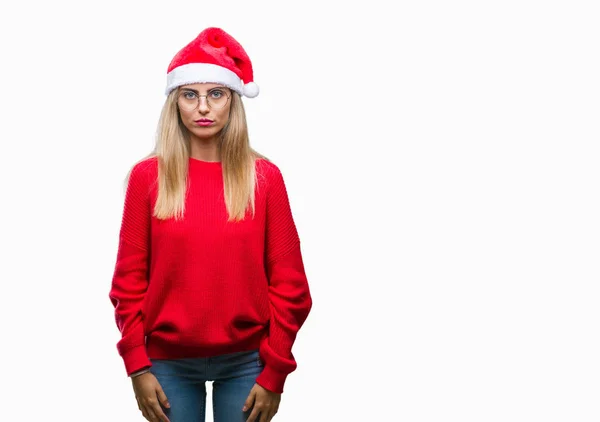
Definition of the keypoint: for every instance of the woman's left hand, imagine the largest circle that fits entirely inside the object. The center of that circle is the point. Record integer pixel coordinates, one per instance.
(264, 401)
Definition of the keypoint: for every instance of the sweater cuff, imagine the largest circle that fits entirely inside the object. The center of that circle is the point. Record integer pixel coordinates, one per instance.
(135, 359)
(271, 379)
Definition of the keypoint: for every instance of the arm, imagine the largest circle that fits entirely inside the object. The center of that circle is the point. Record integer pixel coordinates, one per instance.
(130, 279)
(289, 294)
(140, 372)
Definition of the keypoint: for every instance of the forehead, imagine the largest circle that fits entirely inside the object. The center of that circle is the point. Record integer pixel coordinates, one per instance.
(201, 86)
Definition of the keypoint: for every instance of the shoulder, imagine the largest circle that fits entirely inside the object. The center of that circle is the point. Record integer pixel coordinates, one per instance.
(266, 165)
(146, 165)
(271, 177)
(142, 173)
(268, 170)
(145, 169)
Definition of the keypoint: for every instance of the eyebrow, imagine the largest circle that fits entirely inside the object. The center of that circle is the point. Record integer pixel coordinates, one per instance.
(196, 91)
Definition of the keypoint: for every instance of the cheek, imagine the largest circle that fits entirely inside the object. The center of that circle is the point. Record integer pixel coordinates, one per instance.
(191, 115)
(185, 117)
(223, 115)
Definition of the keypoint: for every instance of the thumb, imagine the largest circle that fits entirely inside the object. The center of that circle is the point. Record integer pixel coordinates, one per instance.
(162, 397)
(249, 401)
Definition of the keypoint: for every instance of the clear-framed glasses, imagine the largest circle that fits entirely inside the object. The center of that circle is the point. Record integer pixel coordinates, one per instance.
(189, 99)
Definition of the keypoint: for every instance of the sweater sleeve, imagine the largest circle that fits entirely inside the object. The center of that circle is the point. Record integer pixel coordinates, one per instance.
(289, 294)
(130, 278)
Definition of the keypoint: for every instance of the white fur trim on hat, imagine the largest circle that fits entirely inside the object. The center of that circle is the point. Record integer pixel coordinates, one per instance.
(204, 73)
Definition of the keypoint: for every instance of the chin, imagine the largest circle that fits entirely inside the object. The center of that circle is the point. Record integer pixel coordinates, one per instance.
(205, 134)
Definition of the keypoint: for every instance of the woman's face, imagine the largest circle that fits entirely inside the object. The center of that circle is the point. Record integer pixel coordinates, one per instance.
(204, 108)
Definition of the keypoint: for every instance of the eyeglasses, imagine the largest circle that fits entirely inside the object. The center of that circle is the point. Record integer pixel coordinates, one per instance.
(216, 98)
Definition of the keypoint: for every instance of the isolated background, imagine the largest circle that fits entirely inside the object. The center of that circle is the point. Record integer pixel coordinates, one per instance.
(442, 164)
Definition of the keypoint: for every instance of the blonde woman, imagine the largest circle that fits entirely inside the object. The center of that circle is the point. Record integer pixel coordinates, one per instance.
(209, 282)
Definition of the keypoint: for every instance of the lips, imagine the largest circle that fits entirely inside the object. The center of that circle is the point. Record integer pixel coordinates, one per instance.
(204, 122)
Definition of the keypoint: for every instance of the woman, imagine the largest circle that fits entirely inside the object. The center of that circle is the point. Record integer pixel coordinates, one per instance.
(209, 282)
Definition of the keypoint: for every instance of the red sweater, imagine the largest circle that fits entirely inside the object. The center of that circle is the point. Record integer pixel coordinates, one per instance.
(203, 286)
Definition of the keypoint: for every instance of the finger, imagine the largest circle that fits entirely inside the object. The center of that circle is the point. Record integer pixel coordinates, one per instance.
(270, 415)
(155, 411)
(160, 415)
(264, 414)
(151, 416)
(249, 401)
(146, 414)
(253, 416)
(162, 397)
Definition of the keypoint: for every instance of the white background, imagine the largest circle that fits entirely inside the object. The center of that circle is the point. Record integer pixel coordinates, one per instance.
(442, 163)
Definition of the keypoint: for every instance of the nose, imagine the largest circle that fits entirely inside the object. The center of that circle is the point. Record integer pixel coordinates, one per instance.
(203, 105)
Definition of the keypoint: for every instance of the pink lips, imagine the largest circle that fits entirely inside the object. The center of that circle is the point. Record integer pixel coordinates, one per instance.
(204, 122)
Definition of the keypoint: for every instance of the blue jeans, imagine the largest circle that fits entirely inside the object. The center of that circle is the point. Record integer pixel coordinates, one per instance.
(183, 381)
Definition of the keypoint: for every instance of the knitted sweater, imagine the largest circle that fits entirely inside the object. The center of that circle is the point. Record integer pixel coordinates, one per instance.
(203, 286)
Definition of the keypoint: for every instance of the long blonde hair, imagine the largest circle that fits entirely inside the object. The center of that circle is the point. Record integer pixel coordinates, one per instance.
(172, 149)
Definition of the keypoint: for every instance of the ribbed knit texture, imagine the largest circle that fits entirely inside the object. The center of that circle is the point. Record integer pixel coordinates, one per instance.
(203, 286)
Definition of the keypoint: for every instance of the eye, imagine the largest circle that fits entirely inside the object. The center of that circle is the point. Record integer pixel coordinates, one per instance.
(189, 95)
(216, 94)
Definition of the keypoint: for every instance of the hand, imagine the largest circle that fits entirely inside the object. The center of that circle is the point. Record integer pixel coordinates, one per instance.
(265, 402)
(150, 395)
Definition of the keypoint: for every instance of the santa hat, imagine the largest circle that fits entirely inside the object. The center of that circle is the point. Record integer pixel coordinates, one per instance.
(213, 56)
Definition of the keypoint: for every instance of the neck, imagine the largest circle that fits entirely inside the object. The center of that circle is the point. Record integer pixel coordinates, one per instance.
(205, 149)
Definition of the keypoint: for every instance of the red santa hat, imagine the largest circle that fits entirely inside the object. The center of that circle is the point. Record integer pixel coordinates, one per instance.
(213, 56)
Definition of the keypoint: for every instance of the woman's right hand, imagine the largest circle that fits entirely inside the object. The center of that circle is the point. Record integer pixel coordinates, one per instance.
(150, 395)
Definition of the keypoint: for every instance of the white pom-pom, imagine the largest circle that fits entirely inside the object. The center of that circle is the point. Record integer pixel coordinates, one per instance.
(250, 90)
